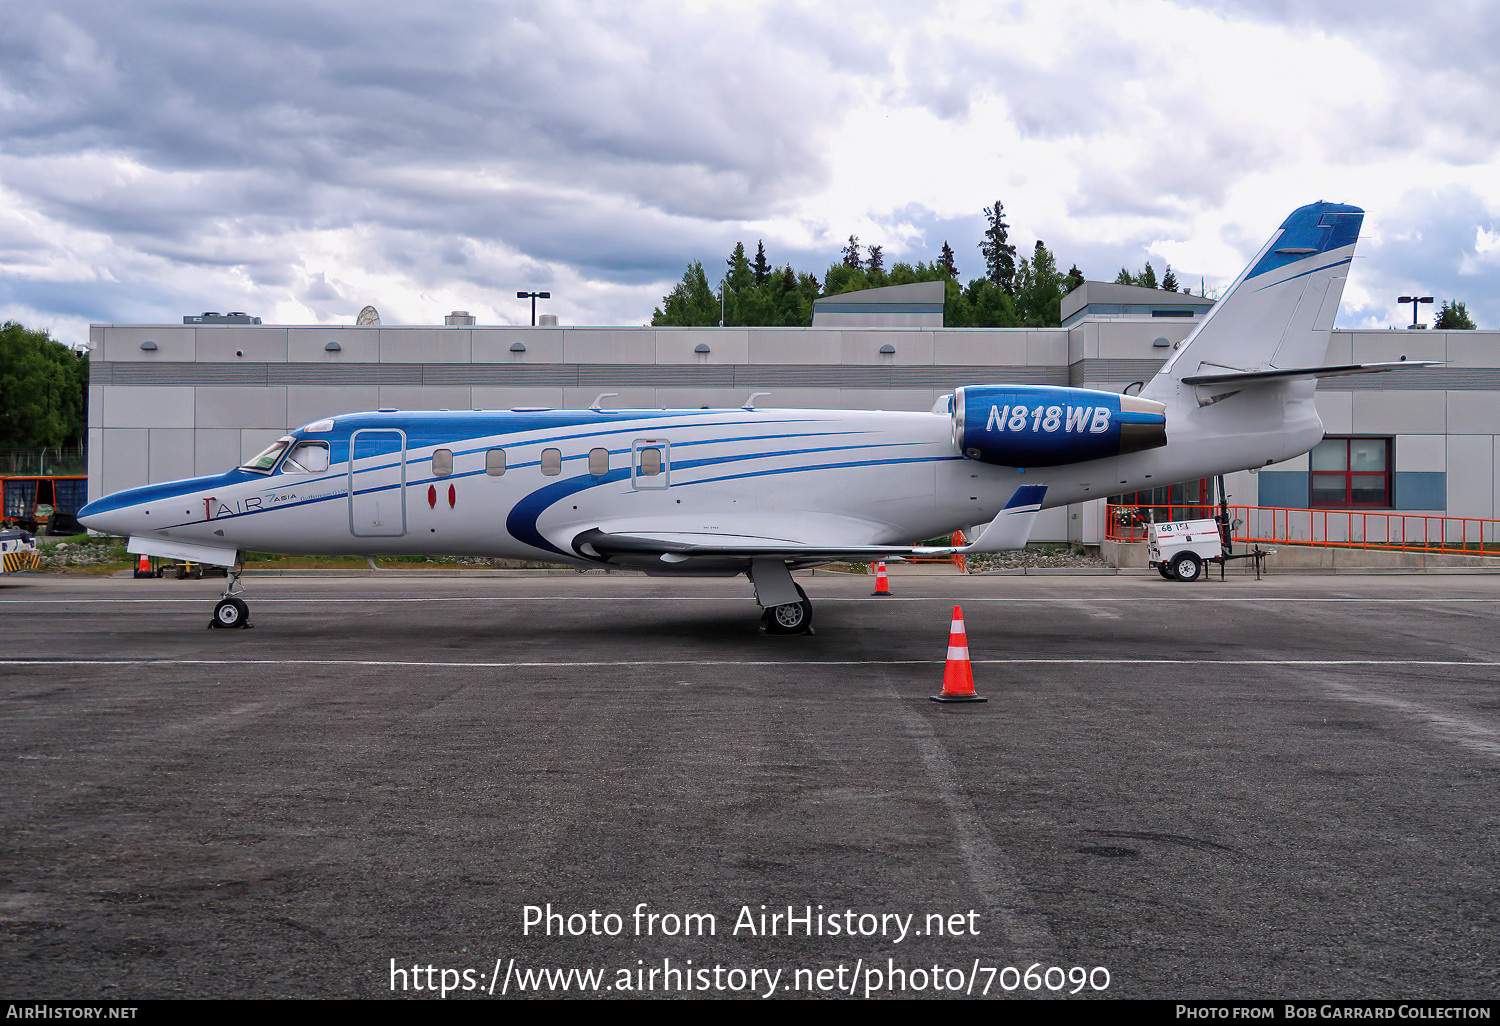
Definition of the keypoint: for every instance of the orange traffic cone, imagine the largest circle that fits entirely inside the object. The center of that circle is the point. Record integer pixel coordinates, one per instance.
(143, 567)
(882, 582)
(958, 675)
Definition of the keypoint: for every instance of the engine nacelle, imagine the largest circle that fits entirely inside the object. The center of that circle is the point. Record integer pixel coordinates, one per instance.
(1048, 425)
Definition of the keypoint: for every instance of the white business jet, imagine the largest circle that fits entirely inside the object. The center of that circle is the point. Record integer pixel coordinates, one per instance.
(763, 492)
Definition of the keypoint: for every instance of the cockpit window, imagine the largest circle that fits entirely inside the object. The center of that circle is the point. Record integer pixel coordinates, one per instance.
(306, 458)
(268, 456)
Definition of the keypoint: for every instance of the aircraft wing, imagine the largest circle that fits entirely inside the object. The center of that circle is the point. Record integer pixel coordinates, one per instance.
(1009, 530)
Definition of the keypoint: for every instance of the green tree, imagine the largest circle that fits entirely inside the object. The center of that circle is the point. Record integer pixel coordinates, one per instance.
(762, 266)
(945, 261)
(1147, 277)
(738, 274)
(851, 254)
(1073, 280)
(43, 390)
(999, 254)
(1169, 280)
(1453, 316)
(691, 303)
(1124, 278)
(1039, 289)
(875, 265)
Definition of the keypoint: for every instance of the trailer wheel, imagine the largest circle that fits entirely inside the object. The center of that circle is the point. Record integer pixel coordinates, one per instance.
(1186, 566)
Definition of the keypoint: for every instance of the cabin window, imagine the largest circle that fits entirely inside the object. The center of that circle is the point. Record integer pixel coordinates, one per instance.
(494, 462)
(267, 457)
(598, 462)
(306, 458)
(551, 462)
(650, 462)
(442, 462)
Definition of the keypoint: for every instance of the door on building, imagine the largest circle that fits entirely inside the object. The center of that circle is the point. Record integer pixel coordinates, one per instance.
(377, 483)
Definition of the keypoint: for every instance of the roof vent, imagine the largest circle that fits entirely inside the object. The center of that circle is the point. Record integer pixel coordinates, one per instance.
(332, 347)
(701, 347)
(459, 317)
(887, 350)
(148, 346)
(518, 347)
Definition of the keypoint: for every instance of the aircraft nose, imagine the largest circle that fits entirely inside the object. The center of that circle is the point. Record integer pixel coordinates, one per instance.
(94, 518)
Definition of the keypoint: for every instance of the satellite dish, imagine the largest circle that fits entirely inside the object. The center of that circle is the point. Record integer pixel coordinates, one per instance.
(368, 316)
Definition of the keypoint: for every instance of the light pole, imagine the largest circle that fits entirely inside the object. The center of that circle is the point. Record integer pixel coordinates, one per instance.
(533, 296)
(1414, 301)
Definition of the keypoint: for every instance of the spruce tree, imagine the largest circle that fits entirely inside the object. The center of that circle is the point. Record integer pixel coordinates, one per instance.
(999, 254)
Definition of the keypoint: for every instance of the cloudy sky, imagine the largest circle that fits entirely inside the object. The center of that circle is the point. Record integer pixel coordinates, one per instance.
(298, 159)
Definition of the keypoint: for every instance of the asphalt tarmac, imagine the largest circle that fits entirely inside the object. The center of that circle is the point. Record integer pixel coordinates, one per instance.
(1278, 789)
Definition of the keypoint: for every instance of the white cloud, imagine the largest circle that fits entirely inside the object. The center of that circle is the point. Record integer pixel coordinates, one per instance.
(301, 158)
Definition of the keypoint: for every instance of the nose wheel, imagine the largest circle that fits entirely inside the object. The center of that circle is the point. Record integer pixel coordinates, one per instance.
(232, 611)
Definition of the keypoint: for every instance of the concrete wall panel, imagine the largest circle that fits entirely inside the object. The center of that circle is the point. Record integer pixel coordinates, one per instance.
(425, 345)
(777, 346)
(142, 406)
(1003, 348)
(242, 406)
(169, 454)
(242, 343)
(863, 347)
(492, 345)
(1415, 411)
(426, 397)
(504, 397)
(215, 450)
(173, 345)
(124, 461)
(608, 345)
(726, 345)
(307, 403)
(1471, 476)
(356, 345)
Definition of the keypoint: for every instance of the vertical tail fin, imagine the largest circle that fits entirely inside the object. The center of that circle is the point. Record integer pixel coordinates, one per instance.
(1279, 312)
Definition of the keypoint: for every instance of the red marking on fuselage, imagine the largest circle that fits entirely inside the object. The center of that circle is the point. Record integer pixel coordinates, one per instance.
(432, 497)
(452, 496)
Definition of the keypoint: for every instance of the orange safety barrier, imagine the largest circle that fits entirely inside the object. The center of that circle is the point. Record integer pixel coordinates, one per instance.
(1340, 528)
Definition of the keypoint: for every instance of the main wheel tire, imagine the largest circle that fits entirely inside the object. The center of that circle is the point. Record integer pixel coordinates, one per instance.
(1186, 567)
(231, 612)
(791, 618)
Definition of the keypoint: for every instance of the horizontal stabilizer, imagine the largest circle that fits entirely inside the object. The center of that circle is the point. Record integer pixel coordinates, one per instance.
(1290, 373)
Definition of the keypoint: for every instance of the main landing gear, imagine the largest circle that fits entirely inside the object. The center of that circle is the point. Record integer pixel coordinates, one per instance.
(232, 611)
(787, 607)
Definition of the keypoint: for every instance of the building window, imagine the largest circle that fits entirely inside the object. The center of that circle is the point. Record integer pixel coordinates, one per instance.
(442, 462)
(551, 462)
(494, 462)
(1351, 472)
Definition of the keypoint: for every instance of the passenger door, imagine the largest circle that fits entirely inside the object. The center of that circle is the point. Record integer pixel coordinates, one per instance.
(377, 483)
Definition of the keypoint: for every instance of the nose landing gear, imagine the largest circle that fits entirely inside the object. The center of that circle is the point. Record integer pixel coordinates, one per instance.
(232, 611)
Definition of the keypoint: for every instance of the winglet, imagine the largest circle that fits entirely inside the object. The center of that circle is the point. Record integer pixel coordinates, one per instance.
(1011, 528)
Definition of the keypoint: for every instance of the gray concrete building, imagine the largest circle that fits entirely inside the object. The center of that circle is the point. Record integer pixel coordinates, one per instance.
(173, 400)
